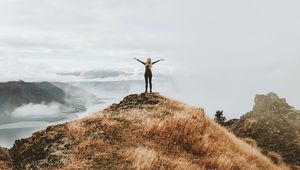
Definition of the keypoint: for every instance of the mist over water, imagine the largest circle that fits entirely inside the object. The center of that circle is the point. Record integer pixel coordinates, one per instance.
(25, 127)
(8, 136)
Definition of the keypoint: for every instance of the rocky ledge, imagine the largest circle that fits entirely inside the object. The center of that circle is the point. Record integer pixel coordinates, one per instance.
(274, 124)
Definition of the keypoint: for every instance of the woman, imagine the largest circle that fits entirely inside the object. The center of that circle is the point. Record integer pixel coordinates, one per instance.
(148, 72)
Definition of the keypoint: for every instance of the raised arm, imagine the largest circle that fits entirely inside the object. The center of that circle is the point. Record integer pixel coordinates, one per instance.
(140, 61)
(158, 61)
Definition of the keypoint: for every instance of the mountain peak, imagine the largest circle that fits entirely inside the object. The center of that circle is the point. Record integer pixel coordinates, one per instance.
(274, 124)
(270, 103)
(137, 101)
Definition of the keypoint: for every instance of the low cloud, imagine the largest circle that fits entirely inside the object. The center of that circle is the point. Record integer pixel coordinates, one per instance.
(31, 111)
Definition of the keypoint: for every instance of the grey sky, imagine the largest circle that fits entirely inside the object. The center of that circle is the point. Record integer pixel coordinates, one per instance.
(222, 52)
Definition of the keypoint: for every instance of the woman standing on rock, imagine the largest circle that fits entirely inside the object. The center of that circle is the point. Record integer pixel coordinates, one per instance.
(148, 72)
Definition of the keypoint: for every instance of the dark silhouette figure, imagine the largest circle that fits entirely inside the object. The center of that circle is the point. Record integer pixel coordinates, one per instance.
(148, 72)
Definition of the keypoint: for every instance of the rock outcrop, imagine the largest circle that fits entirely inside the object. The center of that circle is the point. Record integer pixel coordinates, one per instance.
(145, 131)
(5, 161)
(47, 148)
(4, 155)
(274, 124)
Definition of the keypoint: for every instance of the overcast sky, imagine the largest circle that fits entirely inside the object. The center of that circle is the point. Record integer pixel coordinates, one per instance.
(221, 53)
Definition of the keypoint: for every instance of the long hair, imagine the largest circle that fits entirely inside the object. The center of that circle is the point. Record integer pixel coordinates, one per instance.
(149, 63)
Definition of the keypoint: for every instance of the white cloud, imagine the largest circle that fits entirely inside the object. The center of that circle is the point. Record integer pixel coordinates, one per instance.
(37, 111)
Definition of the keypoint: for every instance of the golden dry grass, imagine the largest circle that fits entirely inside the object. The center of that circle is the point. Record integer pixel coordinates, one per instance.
(5, 165)
(86, 151)
(145, 158)
(76, 128)
(169, 135)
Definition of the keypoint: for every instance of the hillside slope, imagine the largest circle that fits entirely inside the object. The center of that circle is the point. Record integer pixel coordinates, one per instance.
(274, 124)
(141, 132)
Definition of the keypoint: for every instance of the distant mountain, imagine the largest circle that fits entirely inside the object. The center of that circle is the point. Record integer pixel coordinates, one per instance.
(67, 98)
(274, 124)
(95, 74)
(17, 93)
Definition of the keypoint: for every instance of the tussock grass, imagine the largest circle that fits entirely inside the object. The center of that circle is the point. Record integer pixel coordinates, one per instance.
(88, 151)
(4, 165)
(76, 128)
(217, 148)
(145, 158)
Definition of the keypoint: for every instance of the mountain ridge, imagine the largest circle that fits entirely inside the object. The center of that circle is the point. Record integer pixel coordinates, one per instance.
(143, 131)
(17, 93)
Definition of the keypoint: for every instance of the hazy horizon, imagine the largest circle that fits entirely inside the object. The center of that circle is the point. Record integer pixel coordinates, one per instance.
(219, 54)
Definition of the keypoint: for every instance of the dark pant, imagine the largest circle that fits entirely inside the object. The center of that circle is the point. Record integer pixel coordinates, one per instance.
(148, 79)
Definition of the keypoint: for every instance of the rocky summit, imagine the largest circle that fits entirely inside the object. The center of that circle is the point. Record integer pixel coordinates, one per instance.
(143, 131)
(136, 101)
(274, 125)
